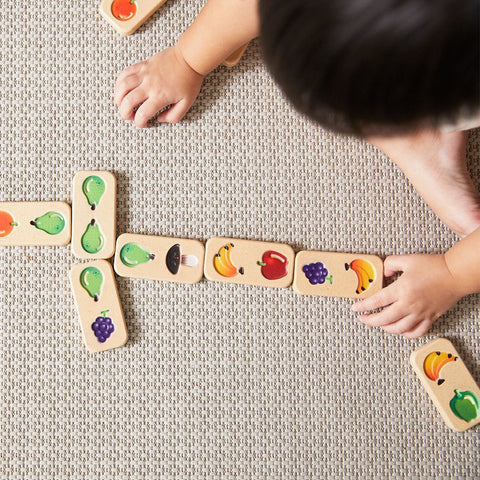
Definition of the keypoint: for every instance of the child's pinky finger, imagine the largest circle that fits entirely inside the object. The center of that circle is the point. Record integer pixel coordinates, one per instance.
(387, 316)
(174, 113)
(421, 329)
(406, 324)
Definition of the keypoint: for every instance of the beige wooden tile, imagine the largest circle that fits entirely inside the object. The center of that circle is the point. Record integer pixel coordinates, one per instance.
(126, 16)
(94, 215)
(98, 304)
(249, 262)
(35, 223)
(235, 57)
(159, 258)
(334, 274)
(449, 383)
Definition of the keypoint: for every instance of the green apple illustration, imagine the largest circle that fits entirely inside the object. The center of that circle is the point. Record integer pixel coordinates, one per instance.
(91, 279)
(133, 254)
(93, 187)
(465, 405)
(92, 239)
(51, 222)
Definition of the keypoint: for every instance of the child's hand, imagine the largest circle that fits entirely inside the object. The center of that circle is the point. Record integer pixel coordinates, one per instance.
(148, 87)
(424, 291)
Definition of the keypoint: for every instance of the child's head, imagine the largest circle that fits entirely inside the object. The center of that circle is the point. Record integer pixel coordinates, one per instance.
(375, 66)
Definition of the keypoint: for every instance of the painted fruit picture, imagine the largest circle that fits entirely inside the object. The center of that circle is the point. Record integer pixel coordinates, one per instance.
(93, 188)
(6, 224)
(133, 254)
(91, 279)
(274, 265)
(223, 263)
(52, 223)
(124, 10)
(103, 327)
(92, 240)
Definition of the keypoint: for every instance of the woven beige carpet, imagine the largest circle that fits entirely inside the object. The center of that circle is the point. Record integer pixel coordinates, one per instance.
(216, 381)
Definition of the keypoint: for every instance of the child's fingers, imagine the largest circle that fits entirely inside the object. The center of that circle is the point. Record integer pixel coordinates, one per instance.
(131, 70)
(381, 299)
(387, 316)
(130, 103)
(175, 113)
(394, 264)
(147, 110)
(420, 330)
(406, 324)
(124, 87)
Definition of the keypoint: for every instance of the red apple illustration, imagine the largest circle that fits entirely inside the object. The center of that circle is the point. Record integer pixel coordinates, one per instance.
(124, 9)
(274, 265)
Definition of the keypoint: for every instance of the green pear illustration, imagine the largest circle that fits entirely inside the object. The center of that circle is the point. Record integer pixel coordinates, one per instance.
(465, 405)
(93, 187)
(92, 239)
(91, 279)
(51, 222)
(133, 254)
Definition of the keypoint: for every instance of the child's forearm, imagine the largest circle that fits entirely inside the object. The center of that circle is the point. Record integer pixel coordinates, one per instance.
(463, 261)
(220, 29)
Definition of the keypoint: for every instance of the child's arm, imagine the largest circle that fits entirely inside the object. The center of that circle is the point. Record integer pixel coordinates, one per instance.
(428, 286)
(174, 76)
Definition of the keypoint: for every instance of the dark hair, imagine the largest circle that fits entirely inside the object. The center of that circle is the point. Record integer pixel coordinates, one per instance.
(375, 66)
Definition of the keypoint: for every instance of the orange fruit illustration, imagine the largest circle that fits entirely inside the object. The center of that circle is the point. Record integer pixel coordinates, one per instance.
(6, 224)
(124, 9)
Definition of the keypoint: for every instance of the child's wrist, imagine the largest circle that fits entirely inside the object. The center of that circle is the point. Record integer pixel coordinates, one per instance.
(460, 282)
(194, 56)
(181, 59)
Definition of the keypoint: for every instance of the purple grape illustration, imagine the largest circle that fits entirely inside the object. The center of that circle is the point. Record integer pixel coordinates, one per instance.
(103, 327)
(316, 273)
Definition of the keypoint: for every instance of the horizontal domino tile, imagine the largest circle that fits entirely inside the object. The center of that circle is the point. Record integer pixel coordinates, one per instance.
(97, 216)
(96, 295)
(159, 258)
(35, 223)
(141, 10)
(446, 379)
(243, 264)
(346, 276)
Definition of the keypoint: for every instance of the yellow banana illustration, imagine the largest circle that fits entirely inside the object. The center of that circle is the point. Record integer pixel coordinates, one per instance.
(434, 362)
(365, 273)
(223, 263)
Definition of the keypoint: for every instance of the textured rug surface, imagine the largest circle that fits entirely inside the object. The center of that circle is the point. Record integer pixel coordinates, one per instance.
(217, 380)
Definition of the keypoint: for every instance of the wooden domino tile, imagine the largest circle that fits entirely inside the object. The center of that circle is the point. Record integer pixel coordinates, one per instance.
(94, 215)
(98, 305)
(35, 223)
(449, 383)
(126, 16)
(249, 262)
(159, 258)
(334, 274)
(235, 57)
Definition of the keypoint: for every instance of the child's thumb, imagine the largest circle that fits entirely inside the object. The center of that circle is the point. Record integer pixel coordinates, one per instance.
(394, 264)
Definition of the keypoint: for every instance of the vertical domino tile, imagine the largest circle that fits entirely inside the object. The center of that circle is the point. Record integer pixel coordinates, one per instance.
(126, 16)
(98, 304)
(94, 215)
(249, 262)
(159, 258)
(35, 223)
(449, 383)
(335, 274)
